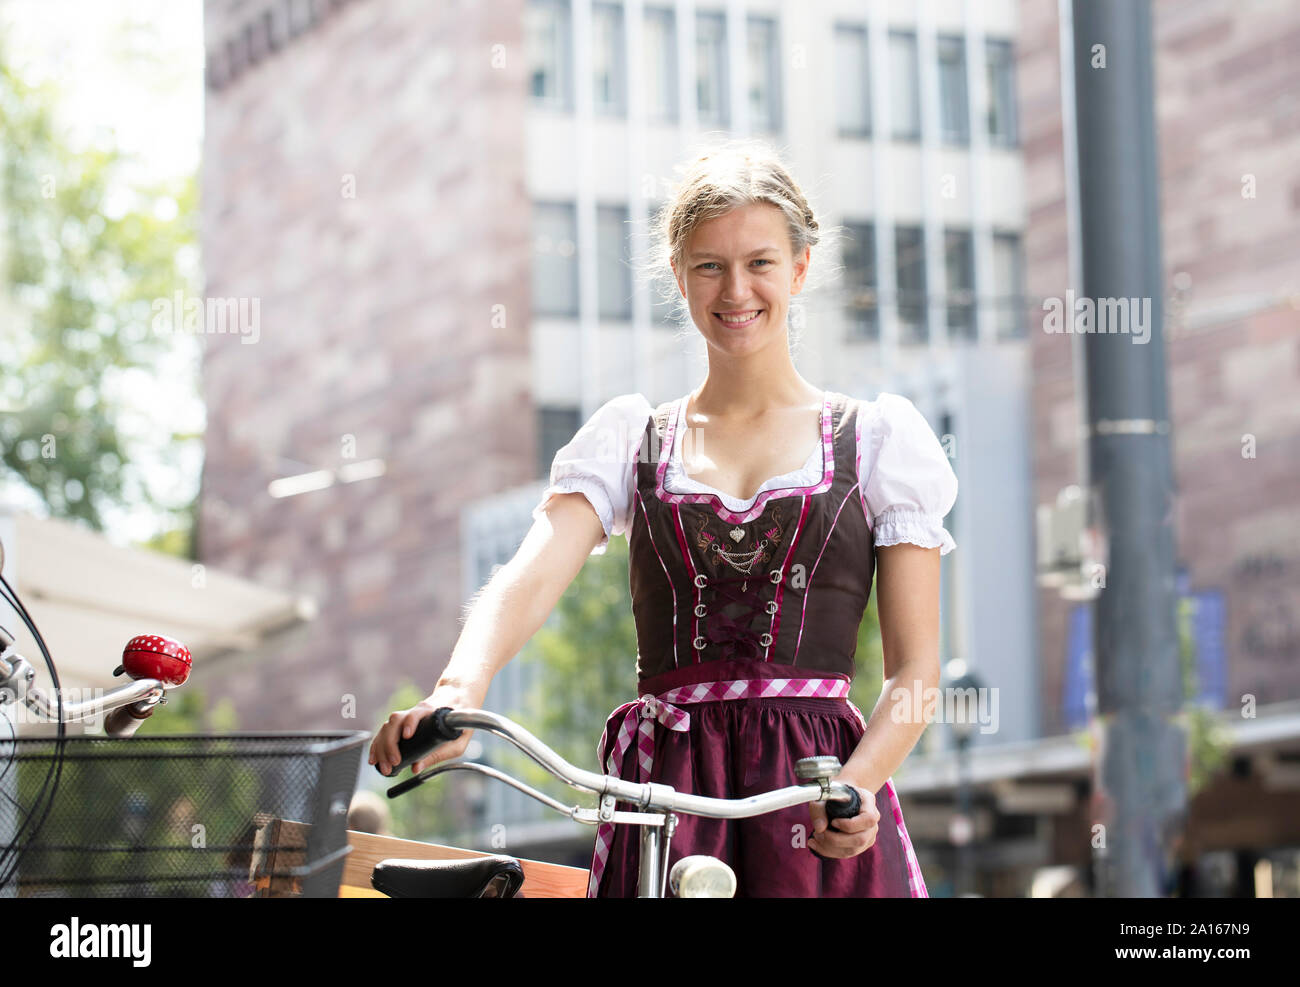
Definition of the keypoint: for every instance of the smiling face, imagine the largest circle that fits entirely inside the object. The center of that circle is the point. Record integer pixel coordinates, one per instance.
(738, 274)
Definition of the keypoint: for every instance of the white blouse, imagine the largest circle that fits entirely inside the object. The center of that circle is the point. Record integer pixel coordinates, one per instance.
(906, 483)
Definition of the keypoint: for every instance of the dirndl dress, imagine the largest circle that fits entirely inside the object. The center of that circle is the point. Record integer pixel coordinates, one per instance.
(747, 627)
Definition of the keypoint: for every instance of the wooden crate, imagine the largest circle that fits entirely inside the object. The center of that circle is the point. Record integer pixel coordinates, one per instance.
(541, 880)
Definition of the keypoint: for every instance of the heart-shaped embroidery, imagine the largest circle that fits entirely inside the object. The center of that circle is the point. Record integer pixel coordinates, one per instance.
(736, 534)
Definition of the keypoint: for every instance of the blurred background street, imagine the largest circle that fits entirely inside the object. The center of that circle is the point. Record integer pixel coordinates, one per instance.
(300, 298)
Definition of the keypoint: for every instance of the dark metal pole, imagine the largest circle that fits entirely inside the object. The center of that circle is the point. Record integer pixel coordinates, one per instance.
(964, 883)
(1139, 684)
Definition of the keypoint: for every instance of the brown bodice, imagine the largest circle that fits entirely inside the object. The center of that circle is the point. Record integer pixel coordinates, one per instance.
(784, 582)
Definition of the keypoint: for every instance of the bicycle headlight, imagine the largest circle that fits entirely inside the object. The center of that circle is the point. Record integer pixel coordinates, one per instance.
(701, 876)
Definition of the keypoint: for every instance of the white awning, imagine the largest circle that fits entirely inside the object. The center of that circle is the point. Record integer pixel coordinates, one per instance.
(89, 597)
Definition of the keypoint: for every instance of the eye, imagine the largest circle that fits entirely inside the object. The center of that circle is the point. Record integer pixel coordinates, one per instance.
(761, 260)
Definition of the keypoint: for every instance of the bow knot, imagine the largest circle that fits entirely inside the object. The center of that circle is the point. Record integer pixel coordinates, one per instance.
(634, 725)
(654, 708)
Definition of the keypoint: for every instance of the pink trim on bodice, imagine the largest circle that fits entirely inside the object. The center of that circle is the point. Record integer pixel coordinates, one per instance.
(715, 501)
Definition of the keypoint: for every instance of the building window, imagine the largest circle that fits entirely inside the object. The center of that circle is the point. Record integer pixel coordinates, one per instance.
(555, 259)
(909, 257)
(764, 76)
(549, 57)
(904, 86)
(954, 121)
(1008, 287)
(852, 82)
(1000, 61)
(614, 273)
(659, 50)
(607, 59)
(859, 258)
(711, 69)
(959, 266)
(556, 428)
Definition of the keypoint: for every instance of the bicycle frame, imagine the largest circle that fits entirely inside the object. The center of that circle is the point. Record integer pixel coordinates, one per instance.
(658, 803)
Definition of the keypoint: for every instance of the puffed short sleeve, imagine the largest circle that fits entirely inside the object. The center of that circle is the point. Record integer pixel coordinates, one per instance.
(909, 485)
(599, 462)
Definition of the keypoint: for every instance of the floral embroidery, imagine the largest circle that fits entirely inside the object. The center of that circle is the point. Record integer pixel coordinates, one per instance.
(745, 561)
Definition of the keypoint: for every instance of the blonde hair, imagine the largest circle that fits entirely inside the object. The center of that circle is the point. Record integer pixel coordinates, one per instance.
(728, 174)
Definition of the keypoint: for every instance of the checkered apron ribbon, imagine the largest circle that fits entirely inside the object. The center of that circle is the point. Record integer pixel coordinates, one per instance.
(640, 715)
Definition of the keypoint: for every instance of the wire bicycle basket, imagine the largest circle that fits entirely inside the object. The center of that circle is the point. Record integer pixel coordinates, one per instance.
(236, 815)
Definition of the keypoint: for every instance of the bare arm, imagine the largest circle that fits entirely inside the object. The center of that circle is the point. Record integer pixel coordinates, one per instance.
(501, 618)
(907, 594)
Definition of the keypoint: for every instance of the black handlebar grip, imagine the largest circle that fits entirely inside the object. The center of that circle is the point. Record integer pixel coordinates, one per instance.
(431, 733)
(841, 810)
(845, 810)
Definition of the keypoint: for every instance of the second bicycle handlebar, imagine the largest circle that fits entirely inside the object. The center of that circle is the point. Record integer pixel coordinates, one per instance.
(445, 725)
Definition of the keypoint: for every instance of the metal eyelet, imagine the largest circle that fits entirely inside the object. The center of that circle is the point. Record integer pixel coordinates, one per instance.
(700, 610)
(776, 575)
(771, 606)
(765, 640)
(701, 581)
(698, 644)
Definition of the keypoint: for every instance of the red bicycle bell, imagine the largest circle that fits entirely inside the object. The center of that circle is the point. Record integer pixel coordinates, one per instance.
(152, 656)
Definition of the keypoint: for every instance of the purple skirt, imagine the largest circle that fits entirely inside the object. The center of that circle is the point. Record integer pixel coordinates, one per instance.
(740, 747)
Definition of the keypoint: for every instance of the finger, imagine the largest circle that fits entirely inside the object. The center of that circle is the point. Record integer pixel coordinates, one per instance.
(846, 832)
(396, 734)
(387, 746)
(831, 844)
(869, 804)
(825, 848)
(835, 840)
(818, 812)
(853, 824)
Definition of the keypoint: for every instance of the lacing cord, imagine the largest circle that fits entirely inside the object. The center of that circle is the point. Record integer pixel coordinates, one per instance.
(736, 636)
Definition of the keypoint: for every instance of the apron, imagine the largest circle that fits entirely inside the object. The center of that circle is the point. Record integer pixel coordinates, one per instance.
(747, 627)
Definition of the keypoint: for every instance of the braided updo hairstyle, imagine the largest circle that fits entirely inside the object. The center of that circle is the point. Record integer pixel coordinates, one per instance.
(729, 174)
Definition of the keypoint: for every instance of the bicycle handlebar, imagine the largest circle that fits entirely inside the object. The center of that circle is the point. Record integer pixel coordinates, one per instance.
(431, 734)
(445, 725)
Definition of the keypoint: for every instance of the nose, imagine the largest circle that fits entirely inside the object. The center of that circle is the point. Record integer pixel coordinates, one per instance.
(735, 286)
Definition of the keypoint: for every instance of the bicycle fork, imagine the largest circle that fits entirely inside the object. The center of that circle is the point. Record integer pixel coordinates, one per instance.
(653, 870)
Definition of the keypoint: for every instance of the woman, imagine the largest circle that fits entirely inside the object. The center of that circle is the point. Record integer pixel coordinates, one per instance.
(756, 509)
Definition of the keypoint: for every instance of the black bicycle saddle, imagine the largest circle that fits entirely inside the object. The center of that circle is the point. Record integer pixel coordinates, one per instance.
(493, 876)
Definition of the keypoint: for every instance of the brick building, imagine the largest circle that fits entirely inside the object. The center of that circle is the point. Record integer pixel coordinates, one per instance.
(387, 251)
(435, 237)
(1228, 116)
(1228, 119)
(332, 125)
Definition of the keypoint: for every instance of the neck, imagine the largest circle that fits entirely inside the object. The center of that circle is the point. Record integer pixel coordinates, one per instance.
(752, 387)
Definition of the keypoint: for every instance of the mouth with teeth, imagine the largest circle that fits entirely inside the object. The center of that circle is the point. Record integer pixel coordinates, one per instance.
(738, 320)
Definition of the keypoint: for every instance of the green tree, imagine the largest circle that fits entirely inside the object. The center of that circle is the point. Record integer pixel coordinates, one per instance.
(1207, 743)
(85, 252)
(188, 711)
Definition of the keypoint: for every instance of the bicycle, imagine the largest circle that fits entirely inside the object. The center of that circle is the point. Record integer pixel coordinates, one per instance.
(258, 815)
(695, 876)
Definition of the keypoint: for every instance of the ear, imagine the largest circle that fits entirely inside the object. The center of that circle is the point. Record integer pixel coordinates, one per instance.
(801, 265)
